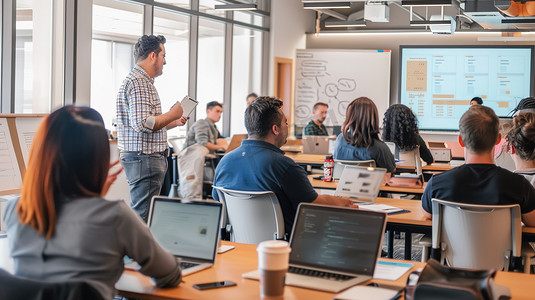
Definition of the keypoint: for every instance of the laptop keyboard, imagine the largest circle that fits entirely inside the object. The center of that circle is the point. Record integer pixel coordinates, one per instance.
(186, 265)
(319, 274)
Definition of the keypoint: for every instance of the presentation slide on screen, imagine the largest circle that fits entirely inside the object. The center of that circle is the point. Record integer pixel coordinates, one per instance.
(438, 83)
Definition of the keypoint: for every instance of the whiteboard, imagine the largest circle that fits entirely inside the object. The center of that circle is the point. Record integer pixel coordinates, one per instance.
(337, 77)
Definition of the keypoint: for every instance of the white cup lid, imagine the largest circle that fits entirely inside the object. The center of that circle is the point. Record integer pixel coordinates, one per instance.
(274, 247)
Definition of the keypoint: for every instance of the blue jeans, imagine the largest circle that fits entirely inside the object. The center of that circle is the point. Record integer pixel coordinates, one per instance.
(145, 174)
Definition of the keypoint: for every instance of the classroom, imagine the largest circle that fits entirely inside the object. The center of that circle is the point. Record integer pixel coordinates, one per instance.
(157, 149)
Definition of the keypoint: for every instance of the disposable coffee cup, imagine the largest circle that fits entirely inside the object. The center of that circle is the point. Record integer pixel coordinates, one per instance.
(273, 257)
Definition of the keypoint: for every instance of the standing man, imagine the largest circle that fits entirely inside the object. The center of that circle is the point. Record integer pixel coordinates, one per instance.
(204, 132)
(315, 126)
(141, 126)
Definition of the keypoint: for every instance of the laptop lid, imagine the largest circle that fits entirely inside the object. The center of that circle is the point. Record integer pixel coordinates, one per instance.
(360, 183)
(316, 144)
(185, 228)
(235, 142)
(336, 239)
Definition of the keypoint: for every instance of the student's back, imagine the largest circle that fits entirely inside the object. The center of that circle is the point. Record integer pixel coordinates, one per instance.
(484, 184)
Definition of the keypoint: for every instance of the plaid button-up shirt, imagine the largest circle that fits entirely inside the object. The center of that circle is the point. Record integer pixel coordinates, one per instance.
(313, 129)
(137, 100)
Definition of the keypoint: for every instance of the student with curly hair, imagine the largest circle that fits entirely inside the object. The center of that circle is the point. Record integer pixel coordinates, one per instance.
(400, 126)
(359, 139)
(521, 145)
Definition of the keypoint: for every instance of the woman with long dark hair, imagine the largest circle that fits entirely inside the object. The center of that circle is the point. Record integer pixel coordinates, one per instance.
(61, 229)
(359, 139)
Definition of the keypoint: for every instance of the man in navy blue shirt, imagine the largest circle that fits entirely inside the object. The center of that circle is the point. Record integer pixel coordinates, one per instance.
(480, 181)
(259, 164)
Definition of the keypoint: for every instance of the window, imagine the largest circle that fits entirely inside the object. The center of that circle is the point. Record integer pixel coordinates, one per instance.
(33, 69)
(172, 86)
(116, 27)
(211, 59)
(246, 73)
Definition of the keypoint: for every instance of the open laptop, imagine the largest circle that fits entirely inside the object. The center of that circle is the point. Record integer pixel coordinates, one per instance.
(360, 183)
(235, 141)
(187, 229)
(316, 144)
(333, 248)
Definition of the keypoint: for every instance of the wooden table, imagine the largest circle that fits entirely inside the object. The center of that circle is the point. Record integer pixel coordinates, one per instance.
(230, 266)
(318, 160)
(320, 184)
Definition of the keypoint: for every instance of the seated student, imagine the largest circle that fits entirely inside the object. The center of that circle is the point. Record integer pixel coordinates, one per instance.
(480, 181)
(251, 97)
(61, 228)
(400, 127)
(259, 164)
(315, 126)
(359, 139)
(205, 133)
(476, 101)
(521, 144)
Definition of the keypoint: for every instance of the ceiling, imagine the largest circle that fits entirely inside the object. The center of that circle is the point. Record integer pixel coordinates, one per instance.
(391, 15)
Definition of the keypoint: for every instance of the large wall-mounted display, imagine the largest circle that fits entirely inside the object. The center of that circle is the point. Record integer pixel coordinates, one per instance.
(437, 82)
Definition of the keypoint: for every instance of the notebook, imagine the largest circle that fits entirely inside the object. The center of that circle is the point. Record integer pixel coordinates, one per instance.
(360, 183)
(187, 229)
(333, 248)
(316, 144)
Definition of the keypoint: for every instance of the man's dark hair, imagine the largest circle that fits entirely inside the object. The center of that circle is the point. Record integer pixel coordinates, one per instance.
(479, 128)
(213, 104)
(252, 95)
(319, 104)
(147, 44)
(478, 100)
(261, 115)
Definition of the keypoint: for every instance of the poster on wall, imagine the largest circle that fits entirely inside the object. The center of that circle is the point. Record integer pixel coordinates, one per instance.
(337, 77)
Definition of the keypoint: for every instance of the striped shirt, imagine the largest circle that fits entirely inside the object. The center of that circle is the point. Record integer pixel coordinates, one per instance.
(137, 100)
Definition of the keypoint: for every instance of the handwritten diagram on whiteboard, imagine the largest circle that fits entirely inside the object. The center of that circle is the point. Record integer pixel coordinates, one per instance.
(337, 77)
(10, 177)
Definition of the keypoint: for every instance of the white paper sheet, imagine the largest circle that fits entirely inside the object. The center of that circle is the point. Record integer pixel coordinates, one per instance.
(26, 129)
(389, 270)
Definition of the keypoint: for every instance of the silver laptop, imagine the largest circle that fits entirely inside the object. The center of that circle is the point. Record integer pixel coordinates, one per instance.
(187, 229)
(316, 144)
(360, 183)
(333, 248)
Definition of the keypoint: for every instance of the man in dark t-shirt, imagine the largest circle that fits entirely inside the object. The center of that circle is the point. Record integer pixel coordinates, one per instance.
(480, 181)
(259, 164)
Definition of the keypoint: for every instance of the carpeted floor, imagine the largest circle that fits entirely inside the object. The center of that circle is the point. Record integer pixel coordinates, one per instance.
(399, 247)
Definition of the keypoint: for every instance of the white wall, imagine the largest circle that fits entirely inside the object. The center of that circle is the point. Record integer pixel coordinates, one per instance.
(289, 23)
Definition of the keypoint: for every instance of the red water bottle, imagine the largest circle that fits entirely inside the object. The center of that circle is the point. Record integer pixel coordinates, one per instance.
(328, 167)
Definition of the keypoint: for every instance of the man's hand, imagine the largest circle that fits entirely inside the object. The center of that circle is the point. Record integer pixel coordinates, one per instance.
(182, 121)
(176, 111)
(222, 144)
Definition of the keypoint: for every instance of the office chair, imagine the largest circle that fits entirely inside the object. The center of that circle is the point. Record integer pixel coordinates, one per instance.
(14, 287)
(253, 216)
(478, 236)
(339, 165)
